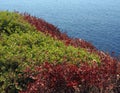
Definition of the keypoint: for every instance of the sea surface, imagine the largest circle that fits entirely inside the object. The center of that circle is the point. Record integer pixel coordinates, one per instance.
(96, 21)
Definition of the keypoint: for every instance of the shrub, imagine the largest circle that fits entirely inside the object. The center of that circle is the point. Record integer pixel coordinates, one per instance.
(70, 78)
(11, 22)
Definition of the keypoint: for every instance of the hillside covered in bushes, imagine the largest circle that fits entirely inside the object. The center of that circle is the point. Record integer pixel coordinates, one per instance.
(35, 57)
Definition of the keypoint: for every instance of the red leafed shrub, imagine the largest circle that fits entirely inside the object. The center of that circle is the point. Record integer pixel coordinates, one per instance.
(70, 78)
(50, 29)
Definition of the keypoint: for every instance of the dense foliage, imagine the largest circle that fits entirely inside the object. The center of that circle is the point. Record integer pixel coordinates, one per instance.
(69, 78)
(13, 23)
(35, 57)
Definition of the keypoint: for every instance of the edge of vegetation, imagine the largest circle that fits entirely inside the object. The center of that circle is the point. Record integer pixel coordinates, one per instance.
(36, 57)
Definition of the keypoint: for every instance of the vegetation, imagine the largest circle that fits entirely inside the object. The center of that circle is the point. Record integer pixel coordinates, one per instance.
(35, 57)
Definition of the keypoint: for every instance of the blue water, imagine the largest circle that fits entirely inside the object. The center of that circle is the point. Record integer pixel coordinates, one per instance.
(97, 21)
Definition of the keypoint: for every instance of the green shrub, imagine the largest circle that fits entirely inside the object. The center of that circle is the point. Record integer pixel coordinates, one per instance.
(11, 22)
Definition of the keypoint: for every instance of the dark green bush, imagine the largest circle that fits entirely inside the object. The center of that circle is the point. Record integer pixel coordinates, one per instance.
(11, 22)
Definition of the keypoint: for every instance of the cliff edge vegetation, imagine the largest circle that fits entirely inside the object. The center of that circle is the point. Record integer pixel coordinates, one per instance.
(35, 57)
